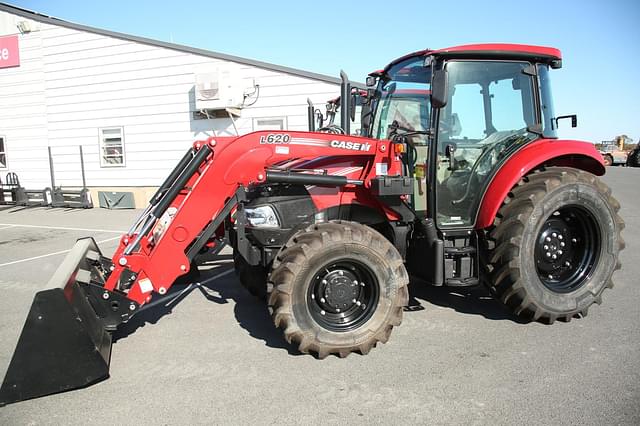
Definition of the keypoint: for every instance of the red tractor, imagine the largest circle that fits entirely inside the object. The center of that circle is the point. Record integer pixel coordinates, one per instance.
(460, 180)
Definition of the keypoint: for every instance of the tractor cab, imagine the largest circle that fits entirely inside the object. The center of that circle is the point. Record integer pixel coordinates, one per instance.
(462, 113)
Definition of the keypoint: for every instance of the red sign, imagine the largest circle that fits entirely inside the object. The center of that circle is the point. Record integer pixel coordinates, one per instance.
(9, 52)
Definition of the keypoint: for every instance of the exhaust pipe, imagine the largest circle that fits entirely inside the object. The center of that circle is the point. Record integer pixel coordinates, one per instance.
(311, 116)
(345, 103)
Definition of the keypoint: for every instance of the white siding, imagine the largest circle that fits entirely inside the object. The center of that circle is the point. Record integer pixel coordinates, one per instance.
(72, 83)
(23, 115)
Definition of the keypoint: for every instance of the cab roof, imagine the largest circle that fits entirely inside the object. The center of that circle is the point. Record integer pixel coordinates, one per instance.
(543, 54)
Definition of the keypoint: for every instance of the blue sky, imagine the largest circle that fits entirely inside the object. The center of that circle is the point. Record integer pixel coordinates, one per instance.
(600, 40)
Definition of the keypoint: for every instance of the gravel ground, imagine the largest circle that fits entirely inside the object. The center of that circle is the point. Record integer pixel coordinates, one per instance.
(213, 356)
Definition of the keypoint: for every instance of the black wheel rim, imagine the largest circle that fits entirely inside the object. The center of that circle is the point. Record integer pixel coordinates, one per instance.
(567, 249)
(343, 295)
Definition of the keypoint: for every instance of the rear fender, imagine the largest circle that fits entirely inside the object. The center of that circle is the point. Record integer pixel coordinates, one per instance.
(544, 152)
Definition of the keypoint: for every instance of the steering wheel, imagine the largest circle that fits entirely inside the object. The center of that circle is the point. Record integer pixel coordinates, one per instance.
(333, 129)
(487, 149)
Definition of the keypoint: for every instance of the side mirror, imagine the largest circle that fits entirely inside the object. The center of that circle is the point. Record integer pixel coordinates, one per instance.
(371, 81)
(573, 117)
(439, 88)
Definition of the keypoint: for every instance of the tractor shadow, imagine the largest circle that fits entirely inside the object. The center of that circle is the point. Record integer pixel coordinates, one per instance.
(217, 282)
(474, 300)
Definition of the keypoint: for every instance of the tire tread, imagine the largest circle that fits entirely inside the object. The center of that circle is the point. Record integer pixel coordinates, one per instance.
(500, 254)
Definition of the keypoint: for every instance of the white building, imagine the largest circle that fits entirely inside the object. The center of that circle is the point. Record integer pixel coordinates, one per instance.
(133, 104)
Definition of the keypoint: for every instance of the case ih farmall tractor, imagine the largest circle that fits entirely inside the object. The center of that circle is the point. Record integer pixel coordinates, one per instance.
(461, 180)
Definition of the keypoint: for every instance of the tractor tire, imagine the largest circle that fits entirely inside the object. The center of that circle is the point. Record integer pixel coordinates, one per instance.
(252, 277)
(554, 245)
(608, 160)
(336, 288)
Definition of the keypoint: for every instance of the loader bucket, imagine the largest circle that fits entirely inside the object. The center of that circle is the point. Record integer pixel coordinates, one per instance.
(63, 344)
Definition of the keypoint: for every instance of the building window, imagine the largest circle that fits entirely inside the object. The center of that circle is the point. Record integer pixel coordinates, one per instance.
(273, 123)
(3, 152)
(112, 147)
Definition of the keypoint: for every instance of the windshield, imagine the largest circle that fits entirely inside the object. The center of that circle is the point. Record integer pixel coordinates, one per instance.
(403, 95)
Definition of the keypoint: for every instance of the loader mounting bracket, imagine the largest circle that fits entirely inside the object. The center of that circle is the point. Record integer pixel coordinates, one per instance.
(112, 307)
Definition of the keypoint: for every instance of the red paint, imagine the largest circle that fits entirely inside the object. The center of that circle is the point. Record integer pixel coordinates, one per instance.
(550, 152)
(243, 161)
(9, 52)
(356, 168)
(180, 234)
(504, 47)
(494, 48)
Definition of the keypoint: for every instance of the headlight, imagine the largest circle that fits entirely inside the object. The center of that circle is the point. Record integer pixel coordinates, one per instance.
(262, 217)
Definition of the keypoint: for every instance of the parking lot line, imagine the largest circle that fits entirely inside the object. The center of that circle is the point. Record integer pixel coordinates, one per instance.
(49, 254)
(8, 225)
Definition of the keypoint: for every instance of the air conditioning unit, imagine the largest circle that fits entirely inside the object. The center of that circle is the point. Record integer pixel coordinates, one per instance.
(218, 89)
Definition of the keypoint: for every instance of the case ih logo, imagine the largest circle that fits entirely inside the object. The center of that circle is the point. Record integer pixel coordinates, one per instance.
(356, 146)
(9, 52)
(284, 138)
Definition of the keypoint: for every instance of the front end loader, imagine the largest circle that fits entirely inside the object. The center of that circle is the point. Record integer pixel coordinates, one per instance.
(328, 227)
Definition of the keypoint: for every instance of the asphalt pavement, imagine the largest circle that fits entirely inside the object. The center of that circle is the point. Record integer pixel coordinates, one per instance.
(212, 355)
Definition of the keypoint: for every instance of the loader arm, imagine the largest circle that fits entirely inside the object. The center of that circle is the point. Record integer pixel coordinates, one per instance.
(207, 184)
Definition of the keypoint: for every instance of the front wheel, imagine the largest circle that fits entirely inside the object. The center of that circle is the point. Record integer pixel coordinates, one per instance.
(338, 287)
(556, 244)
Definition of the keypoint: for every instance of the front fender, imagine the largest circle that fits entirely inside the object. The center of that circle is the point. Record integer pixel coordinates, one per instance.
(544, 152)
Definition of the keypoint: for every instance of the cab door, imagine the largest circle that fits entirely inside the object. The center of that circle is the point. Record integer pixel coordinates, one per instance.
(489, 114)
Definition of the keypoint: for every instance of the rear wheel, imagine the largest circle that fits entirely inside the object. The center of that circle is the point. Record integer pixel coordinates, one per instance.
(338, 287)
(608, 160)
(555, 245)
